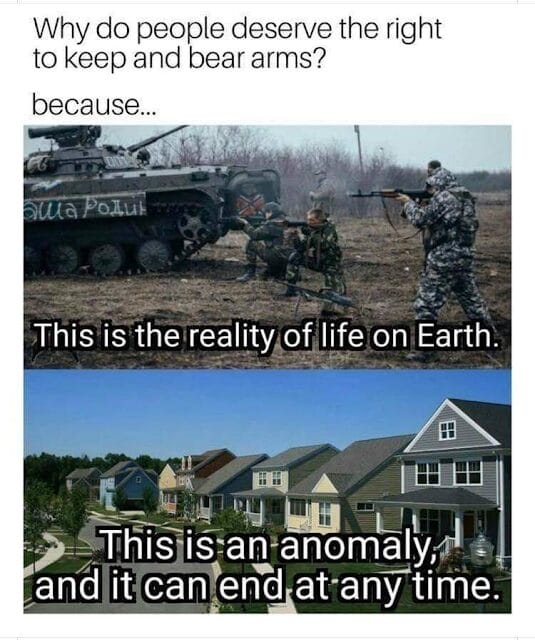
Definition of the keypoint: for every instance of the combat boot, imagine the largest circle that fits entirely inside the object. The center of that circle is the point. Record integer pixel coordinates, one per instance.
(250, 274)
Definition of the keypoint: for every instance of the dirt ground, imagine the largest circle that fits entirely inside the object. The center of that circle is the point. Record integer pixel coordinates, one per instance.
(381, 272)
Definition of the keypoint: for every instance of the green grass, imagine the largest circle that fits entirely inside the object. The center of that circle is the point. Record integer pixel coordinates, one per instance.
(28, 556)
(249, 607)
(66, 564)
(68, 541)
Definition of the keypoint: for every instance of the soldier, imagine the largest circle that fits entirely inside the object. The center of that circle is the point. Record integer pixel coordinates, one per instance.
(269, 242)
(449, 225)
(318, 250)
(432, 167)
(323, 195)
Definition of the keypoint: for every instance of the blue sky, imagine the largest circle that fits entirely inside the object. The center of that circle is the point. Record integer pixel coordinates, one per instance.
(168, 413)
(459, 147)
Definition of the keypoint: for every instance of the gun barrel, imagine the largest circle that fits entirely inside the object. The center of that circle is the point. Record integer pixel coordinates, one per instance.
(145, 143)
(295, 224)
(415, 194)
(51, 132)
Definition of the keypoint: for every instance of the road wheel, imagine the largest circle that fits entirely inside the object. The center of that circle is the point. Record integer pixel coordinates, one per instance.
(106, 259)
(62, 259)
(196, 222)
(32, 260)
(154, 255)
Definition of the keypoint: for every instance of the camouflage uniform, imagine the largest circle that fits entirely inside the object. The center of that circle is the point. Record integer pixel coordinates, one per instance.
(449, 226)
(323, 195)
(268, 242)
(319, 250)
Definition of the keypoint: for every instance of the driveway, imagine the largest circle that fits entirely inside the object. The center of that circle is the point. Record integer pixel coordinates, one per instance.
(88, 533)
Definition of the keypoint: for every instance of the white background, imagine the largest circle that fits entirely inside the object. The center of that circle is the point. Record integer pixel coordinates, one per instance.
(481, 72)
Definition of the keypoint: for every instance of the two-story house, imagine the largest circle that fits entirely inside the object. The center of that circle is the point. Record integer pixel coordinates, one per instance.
(89, 479)
(456, 477)
(213, 494)
(340, 495)
(131, 479)
(264, 502)
(189, 474)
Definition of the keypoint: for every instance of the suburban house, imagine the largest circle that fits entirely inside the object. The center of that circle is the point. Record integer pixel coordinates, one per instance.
(215, 493)
(264, 502)
(456, 477)
(340, 495)
(188, 475)
(132, 479)
(89, 479)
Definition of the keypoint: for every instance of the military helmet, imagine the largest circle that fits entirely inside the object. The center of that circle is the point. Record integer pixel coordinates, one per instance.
(275, 209)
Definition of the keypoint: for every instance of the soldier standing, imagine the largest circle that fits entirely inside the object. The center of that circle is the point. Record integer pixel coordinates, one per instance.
(318, 250)
(449, 225)
(323, 195)
(269, 242)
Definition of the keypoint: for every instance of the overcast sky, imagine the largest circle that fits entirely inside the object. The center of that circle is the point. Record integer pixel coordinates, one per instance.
(169, 413)
(460, 148)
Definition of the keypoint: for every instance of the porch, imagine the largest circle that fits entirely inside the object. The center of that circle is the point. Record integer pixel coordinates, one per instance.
(452, 516)
(265, 506)
(208, 506)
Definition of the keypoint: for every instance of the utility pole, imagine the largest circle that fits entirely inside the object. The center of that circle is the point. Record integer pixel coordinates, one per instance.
(357, 131)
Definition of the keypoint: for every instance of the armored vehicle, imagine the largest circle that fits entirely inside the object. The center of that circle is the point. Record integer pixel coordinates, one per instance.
(106, 207)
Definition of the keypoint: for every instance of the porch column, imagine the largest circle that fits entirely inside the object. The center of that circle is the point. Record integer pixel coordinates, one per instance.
(379, 520)
(416, 520)
(248, 505)
(235, 503)
(262, 510)
(210, 509)
(286, 503)
(459, 529)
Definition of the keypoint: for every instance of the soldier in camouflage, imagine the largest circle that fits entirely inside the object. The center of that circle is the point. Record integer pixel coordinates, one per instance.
(270, 242)
(318, 250)
(449, 225)
(322, 197)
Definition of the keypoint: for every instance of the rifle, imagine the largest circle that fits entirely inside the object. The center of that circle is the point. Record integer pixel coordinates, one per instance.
(414, 194)
(326, 295)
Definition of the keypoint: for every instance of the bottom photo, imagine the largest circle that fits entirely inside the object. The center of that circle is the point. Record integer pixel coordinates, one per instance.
(267, 491)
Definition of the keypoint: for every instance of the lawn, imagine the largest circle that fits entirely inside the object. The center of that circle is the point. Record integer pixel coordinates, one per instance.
(68, 541)
(28, 556)
(249, 607)
(66, 564)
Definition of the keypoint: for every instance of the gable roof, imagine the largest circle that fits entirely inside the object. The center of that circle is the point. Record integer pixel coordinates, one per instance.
(152, 476)
(494, 418)
(228, 472)
(120, 466)
(354, 464)
(292, 456)
(79, 474)
(201, 460)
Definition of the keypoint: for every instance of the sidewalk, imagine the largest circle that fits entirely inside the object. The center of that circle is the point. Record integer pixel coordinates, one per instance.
(285, 607)
(52, 554)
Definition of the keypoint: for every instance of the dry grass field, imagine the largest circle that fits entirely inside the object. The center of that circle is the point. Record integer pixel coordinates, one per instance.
(381, 271)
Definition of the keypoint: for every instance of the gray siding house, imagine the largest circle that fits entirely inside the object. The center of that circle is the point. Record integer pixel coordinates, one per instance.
(132, 479)
(215, 492)
(264, 501)
(456, 477)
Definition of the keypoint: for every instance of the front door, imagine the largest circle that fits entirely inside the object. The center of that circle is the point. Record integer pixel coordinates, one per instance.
(469, 524)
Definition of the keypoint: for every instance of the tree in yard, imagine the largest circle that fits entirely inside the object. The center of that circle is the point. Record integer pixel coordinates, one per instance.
(36, 515)
(189, 500)
(231, 521)
(150, 501)
(73, 514)
(119, 500)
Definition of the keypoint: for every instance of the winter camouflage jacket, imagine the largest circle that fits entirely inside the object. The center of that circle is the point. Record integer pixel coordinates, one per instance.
(448, 222)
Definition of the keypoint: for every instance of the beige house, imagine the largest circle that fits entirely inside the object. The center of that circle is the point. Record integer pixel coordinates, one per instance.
(265, 502)
(193, 470)
(340, 496)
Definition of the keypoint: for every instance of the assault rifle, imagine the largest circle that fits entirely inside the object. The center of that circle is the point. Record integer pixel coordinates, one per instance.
(414, 194)
(326, 295)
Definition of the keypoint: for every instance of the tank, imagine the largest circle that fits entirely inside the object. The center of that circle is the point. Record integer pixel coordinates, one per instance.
(107, 208)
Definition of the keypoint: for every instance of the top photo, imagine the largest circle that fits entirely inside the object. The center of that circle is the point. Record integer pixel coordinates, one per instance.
(299, 246)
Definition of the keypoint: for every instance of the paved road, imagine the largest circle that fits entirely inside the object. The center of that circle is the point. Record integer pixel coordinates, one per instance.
(88, 533)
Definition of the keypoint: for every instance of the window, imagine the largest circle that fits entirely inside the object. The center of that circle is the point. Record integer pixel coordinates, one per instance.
(427, 473)
(277, 478)
(276, 507)
(138, 479)
(429, 521)
(364, 506)
(298, 507)
(447, 430)
(262, 478)
(468, 472)
(325, 514)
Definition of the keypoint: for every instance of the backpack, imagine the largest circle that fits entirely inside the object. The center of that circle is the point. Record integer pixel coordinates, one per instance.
(468, 225)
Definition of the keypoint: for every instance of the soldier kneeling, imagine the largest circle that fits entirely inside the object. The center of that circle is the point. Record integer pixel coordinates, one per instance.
(270, 242)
